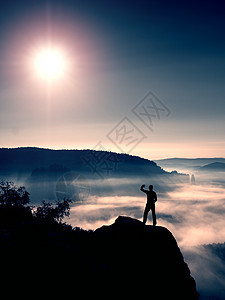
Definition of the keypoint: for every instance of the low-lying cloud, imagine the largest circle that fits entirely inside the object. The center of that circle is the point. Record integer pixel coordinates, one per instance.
(193, 213)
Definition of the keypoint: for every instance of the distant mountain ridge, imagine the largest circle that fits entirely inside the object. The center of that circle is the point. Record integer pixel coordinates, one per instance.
(195, 161)
(215, 166)
(23, 161)
(55, 174)
(188, 163)
(28, 158)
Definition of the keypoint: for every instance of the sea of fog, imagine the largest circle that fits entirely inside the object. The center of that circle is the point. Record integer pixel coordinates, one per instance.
(194, 213)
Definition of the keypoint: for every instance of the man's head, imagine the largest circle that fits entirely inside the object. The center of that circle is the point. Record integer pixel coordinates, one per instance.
(150, 187)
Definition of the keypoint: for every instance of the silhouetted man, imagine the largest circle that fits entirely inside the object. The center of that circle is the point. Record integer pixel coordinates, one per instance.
(150, 205)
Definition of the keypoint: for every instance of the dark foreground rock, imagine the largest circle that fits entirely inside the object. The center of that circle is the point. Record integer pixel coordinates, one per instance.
(120, 260)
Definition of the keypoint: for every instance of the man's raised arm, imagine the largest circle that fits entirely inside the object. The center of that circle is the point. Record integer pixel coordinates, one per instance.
(142, 188)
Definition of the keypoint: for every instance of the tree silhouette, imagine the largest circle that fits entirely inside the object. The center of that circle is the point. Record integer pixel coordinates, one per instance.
(12, 196)
(14, 206)
(53, 213)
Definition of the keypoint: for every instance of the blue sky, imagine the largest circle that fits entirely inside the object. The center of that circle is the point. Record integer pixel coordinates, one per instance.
(118, 52)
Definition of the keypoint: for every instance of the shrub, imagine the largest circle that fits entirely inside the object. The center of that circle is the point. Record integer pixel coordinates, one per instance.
(53, 213)
(12, 196)
(14, 208)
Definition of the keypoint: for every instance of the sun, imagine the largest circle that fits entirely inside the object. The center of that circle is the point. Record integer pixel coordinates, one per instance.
(50, 63)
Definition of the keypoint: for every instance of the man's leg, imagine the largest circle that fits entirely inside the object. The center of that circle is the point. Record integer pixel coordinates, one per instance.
(145, 214)
(153, 215)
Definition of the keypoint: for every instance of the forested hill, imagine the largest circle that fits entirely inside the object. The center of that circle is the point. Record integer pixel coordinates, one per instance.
(57, 174)
(25, 160)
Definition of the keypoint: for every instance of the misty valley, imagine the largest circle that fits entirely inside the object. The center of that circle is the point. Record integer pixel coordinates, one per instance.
(104, 185)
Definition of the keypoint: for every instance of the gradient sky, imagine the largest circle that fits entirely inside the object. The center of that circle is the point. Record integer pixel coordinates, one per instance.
(118, 51)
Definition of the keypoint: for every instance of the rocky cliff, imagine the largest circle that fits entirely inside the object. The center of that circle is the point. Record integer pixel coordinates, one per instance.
(125, 259)
(144, 260)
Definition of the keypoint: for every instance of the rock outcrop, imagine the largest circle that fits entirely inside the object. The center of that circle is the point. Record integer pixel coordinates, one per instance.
(144, 259)
(123, 260)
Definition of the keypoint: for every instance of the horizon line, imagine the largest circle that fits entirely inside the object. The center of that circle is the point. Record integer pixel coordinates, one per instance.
(88, 149)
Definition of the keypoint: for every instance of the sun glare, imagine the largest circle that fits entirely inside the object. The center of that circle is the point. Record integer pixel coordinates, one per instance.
(50, 64)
